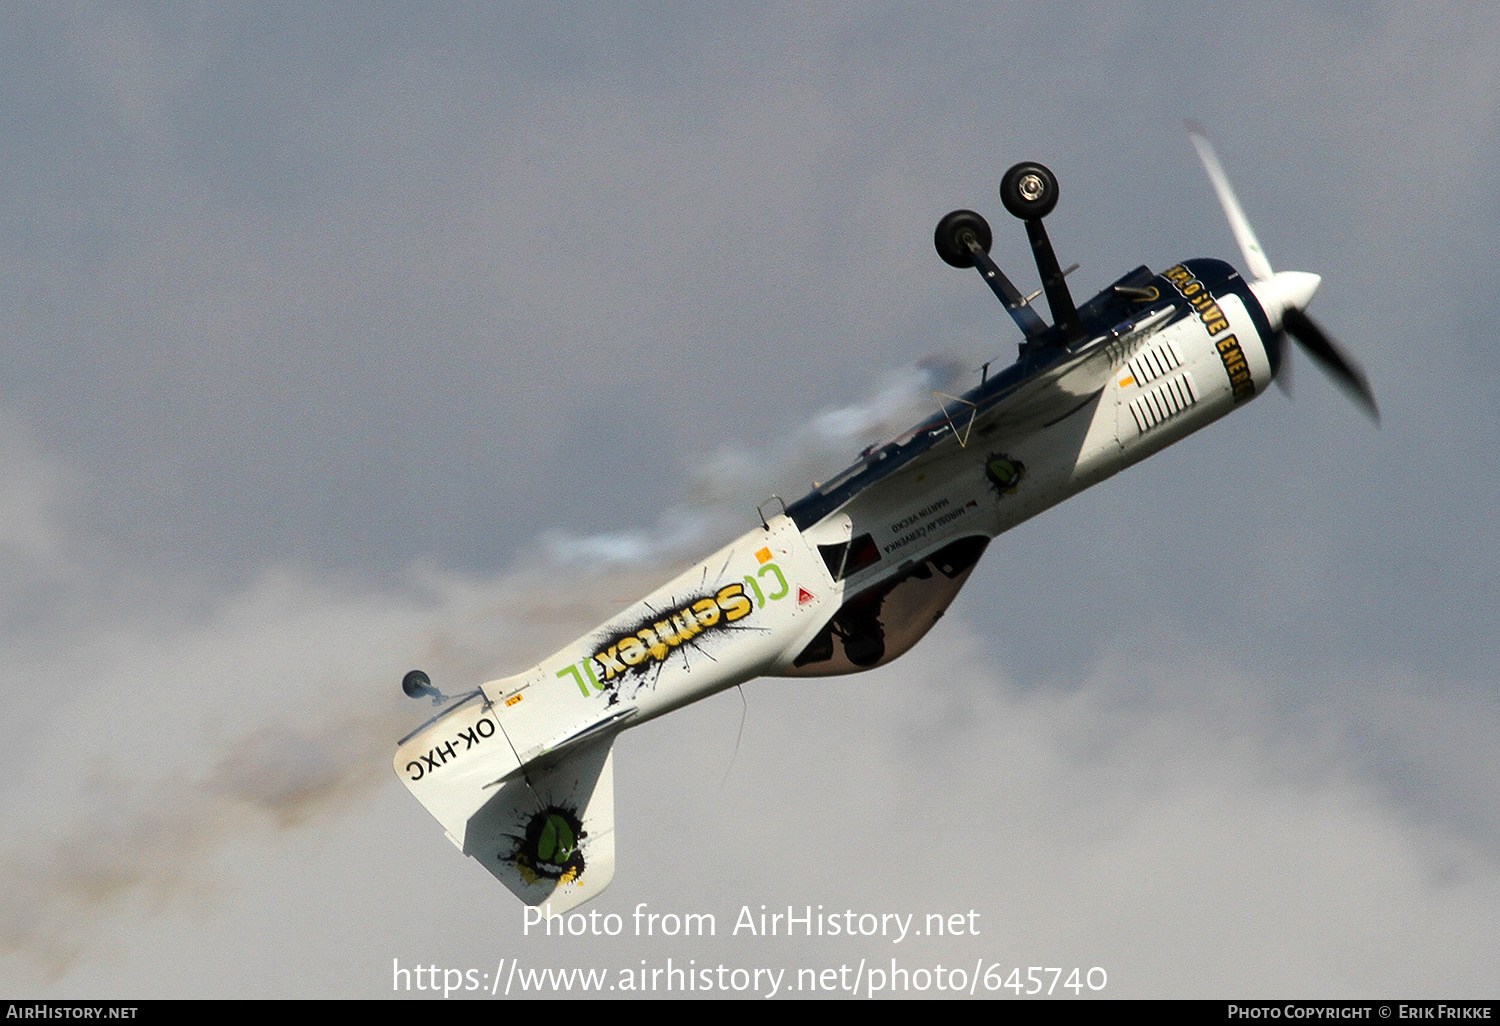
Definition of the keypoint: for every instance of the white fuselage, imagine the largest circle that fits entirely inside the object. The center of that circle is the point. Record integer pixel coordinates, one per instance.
(867, 579)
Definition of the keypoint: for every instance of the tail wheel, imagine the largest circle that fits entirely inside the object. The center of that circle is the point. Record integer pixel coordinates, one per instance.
(416, 684)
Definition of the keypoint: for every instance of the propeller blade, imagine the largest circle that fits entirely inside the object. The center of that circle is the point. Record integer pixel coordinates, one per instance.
(1339, 366)
(1255, 257)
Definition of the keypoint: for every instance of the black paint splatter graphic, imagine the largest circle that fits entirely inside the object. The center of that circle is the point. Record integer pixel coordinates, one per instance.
(1003, 472)
(552, 848)
(637, 652)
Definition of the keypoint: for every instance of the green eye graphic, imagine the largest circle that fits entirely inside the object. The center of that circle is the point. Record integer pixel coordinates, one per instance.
(551, 848)
(1003, 472)
(556, 843)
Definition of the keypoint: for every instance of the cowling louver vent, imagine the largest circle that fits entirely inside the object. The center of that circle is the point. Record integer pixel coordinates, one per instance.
(1164, 401)
(1154, 362)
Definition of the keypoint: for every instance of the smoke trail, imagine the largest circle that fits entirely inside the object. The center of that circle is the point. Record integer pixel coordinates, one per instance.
(723, 488)
(316, 714)
(307, 673)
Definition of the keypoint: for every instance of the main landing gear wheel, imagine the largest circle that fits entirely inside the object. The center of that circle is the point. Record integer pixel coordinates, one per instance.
(955, 231)
(1029, 191)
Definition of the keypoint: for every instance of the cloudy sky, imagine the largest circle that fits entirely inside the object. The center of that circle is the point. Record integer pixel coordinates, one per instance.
(339, 340)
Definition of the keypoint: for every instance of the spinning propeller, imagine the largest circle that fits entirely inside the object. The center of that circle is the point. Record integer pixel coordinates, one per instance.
(1283, 295)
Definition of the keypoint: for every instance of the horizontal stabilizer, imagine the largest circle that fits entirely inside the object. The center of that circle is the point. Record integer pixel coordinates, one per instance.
(550, 836)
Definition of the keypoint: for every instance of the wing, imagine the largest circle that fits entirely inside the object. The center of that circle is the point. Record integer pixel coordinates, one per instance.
(1059, 390)
(1018, 400)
